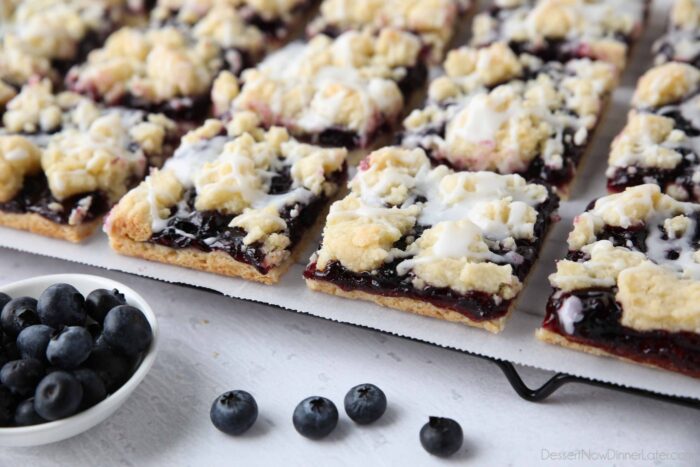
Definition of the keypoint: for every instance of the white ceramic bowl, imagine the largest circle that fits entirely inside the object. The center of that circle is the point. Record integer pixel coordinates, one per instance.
(66, 428)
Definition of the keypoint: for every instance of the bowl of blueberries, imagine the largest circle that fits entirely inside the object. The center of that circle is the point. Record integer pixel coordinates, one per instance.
(73, 347)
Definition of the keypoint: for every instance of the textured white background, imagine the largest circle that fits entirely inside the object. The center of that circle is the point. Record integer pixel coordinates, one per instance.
(211, 344)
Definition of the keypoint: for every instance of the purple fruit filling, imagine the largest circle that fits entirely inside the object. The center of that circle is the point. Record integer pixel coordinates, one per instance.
(209, 230)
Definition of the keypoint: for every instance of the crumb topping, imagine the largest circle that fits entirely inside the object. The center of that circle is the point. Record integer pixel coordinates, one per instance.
(231, 170)
(18, 157)
(36, 33)
(666, 84)
(467, 223)
(656, 277)
(347, 83)
(81, 147)
(433, 20)
(504, 128)
(592, 27)
(155, 65)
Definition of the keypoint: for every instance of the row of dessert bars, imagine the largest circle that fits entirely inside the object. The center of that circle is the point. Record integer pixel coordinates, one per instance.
(79, 80)
(447, 222)
(630, 283)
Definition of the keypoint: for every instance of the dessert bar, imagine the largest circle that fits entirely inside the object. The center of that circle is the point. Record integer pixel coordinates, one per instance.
(452, 245)
(158, 70)
(45, 37)
(434, 21)
(64, 161)
(630, 284)
(333, 92)
(234, 200)
(681, 43)
(498, 111)
(561, 30)
(659, 144)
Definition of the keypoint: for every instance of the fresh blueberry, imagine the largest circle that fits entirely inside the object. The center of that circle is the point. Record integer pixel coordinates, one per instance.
(365, 403)
(127, 330)
(441, 436)
(69, 347)
(32, 341)
(22, 376)
(7, 406)
(25, 414)
(93, 387)
(58, 395)
(93, 327)
(18, 314)
(234, 412)
(99, 302)
(61, 305)
(113, 369)
(315, 417)
(4, 298)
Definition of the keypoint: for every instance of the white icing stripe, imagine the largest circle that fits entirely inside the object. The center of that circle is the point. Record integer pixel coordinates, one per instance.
(570, 313)
(189, 158)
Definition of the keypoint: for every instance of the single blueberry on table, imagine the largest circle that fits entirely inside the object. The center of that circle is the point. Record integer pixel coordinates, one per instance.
(365, 403)
(127, 330)
(234, 412)
(69, 348)
(99, 302)
(94, 390)
(113, 369)
(61, 305)
(17, 314)
(315, 417)
(8, 402)
(441, 436)
(32, 341)
(25, 414)
(22, 376)
(58, 395)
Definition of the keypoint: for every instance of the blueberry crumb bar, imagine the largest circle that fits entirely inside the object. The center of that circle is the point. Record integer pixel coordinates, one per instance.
(560, 30)
(499, 111)
(630, 284)
(681, 43)
(333, 92)
(235, 199)
(64, 161)
(660, 142)
(452, 245)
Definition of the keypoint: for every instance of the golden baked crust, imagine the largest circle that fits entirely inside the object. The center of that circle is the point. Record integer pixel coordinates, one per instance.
(411, 305)
(666, 84)
(37, 224)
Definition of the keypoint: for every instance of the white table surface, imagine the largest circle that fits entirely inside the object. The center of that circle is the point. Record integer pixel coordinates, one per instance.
(211, 344)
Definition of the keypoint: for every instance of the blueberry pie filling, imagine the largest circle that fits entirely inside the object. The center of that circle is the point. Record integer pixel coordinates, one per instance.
(630, 283)
(453, 245)
(236, 200)
(498, 111)
(562, 31)
(343, 91)
(660, 143)
(64, 161)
